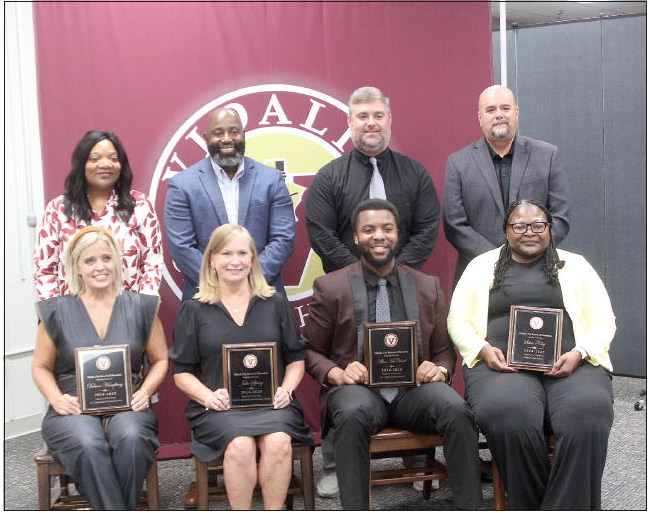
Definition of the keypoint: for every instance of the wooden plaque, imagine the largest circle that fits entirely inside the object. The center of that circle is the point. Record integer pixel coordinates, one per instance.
(103, 378)
(535, 337)
(250, 374)
(391, 353)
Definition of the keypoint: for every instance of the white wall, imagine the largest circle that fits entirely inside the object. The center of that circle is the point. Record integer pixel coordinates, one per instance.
(23, 195)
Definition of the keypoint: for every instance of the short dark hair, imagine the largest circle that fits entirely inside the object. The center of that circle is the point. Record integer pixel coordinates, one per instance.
(75, 202)
(373, 204)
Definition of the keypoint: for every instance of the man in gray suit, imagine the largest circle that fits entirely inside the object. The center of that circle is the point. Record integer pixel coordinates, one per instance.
(482, 179)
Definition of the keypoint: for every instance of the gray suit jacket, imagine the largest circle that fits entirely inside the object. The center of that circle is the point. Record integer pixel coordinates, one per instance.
(194, 207)
(472, 207)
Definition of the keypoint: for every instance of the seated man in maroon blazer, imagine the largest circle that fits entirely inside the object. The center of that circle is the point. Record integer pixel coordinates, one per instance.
(376, 289)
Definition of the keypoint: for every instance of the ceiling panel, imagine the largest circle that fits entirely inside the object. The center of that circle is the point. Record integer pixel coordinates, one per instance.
(538, 13)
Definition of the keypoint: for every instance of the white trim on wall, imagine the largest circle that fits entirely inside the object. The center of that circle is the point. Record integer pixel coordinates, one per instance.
(24, 202)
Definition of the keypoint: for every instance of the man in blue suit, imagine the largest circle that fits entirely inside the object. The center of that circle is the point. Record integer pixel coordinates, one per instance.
(228, 188)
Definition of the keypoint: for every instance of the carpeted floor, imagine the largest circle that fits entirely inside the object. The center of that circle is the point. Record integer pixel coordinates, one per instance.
(624, 483)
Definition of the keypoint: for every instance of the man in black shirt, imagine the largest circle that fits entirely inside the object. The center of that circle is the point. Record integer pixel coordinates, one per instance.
(346, 181)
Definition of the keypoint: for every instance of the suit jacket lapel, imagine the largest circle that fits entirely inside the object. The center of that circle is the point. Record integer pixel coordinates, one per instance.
(409, 294)
(519, 164)
(360, 298)
(210, 185)
(246, 183)
(486, 167)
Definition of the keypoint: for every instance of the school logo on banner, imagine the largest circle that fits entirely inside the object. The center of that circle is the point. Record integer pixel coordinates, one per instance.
(294, 129)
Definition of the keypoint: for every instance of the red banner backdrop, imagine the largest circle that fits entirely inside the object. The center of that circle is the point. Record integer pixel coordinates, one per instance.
(151, 71)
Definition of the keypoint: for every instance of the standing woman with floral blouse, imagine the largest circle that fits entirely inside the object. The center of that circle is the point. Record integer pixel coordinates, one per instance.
(98, 193)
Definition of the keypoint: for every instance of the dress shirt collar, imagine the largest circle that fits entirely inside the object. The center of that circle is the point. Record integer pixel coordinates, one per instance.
(111, 204)
(221, 174)
(113, 200)
(372, 278)
(365, 159)
(493, 153)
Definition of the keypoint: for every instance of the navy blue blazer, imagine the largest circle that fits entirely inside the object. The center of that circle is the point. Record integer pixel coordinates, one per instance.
(194, 207)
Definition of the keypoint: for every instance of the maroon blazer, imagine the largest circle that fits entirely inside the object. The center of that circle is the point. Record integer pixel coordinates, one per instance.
(340, 308)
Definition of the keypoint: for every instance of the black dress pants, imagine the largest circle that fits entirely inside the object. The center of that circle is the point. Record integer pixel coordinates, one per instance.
(356, 413)
(511, 409)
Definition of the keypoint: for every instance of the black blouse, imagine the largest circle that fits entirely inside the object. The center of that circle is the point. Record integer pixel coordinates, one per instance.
(201, 329)
(524, 284)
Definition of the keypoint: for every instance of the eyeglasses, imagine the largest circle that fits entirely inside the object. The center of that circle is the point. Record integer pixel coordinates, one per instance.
(521, 228)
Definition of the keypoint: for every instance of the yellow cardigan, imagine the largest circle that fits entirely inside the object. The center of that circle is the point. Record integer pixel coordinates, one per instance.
(585, 300)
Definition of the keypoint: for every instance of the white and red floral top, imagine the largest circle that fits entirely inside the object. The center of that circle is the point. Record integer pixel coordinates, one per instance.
(139, 241)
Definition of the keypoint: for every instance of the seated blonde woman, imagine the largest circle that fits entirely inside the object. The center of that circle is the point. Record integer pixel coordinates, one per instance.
(107, 456)
(235, 305)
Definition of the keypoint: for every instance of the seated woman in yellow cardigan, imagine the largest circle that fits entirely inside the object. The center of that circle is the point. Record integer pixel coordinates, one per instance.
(514, 408)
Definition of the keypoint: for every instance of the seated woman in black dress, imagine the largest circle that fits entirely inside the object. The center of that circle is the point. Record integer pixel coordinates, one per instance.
(574, 399)
(106, 455)
(234, 305)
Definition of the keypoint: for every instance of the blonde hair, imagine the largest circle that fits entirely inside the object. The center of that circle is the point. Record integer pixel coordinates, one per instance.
(209, 291)
(368, 94)
(81, 241)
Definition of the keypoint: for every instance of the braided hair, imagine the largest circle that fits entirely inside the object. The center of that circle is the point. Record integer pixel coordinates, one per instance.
(75, 202)
(551, 261)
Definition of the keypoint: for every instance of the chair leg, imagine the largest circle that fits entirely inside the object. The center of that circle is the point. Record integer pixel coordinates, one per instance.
(64, 483)
(152, 487)
(426, 486)
(307, 477)
(498, 488)
(43, 477)
(202, 486)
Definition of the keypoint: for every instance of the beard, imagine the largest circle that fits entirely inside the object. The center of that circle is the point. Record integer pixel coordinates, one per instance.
(501, 131)
(369, 148)
(227, 160)
(377, 262)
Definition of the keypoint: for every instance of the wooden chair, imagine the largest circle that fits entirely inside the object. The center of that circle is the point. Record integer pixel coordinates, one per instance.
(208, 480)
(499, 487)
(47, 467)
(392, 443)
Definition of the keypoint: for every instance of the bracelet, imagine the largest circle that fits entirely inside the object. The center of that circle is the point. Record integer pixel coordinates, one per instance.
(289, 393)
